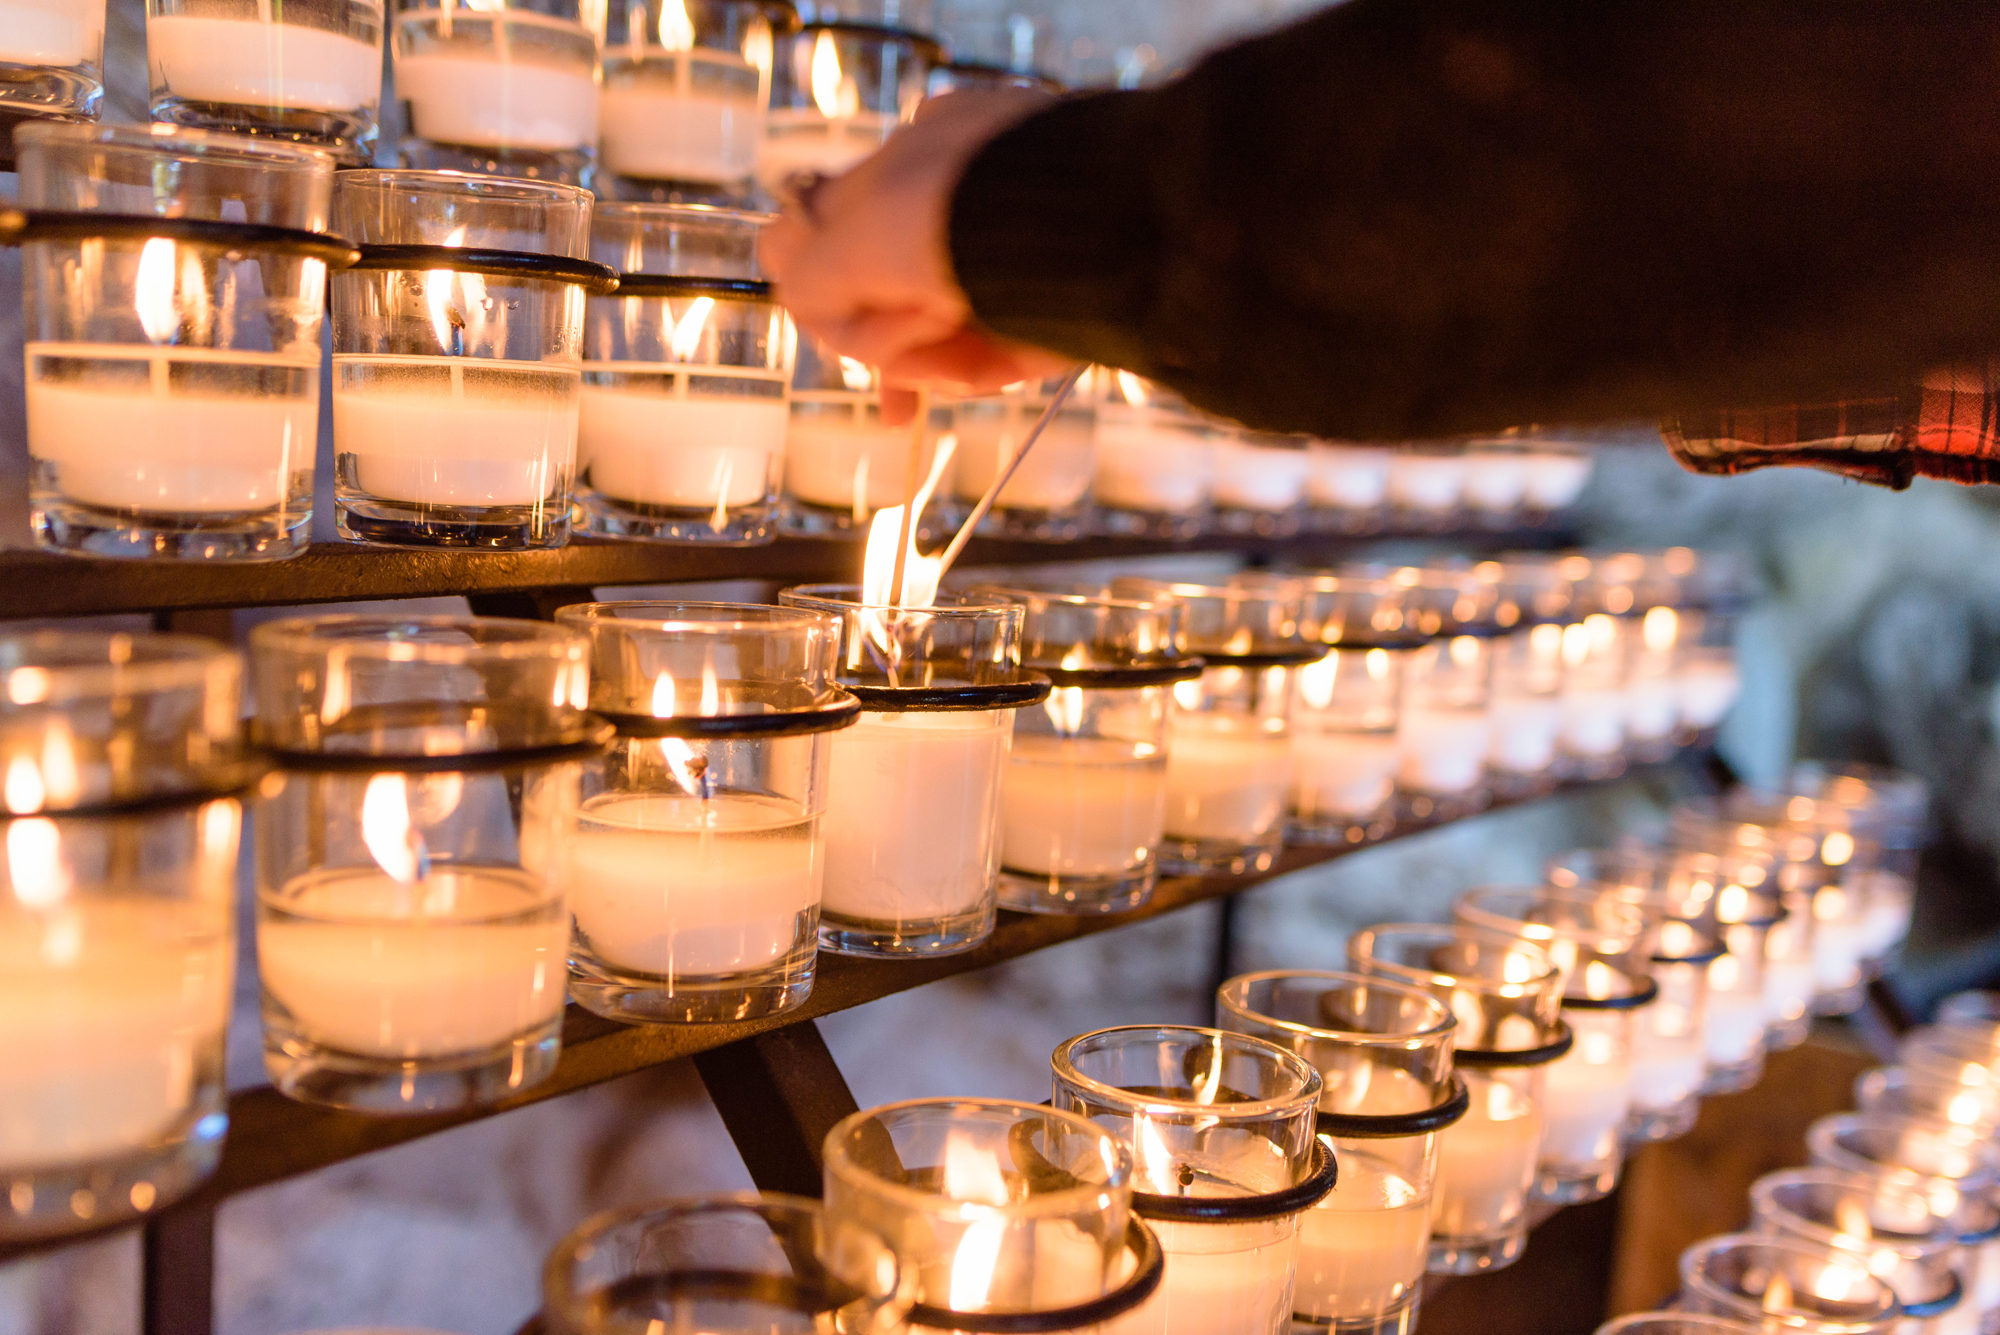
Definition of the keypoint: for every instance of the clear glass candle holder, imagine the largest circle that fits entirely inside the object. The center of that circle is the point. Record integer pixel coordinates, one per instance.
(1593, 698)
(1155, 460)
(1675, 1323)
(838, 89)
(1260, 483)
(686, 376)
(200, 357)
(1670, 1062)
(1737, 987)
(1495, 488)
(1229, 746)
(913, 789)
(842, 464)
(993, 1207)
(1225, 1160)
(412, 930)
(743, 1264)
(1826, 856)
(455, 392)
(117, 921)
(1911, 1091)
(1048, 498)
(310, 76)
(501, 88)
(1894, 807)
(1558, 471)
(1751, 858)
(1589, 1091)
(52, 60)
(1083, 806)
(1446, 731)
(1426, 484)
(1785, 1285)
(1526, 709)
(1945, 1161)
(1707, 682)
(1889, 1228)
(1652, 685)
(1572, 928)
(1384, 1056)
(1347, 486)
(697, 854)
(1506, 995)
(685, 89)
(1346, 708)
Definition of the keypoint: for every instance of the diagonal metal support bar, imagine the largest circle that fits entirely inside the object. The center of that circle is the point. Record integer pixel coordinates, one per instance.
(177, 1271)
(779, 1093)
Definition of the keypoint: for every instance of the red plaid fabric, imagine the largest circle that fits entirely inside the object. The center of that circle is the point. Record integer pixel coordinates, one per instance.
(1946, 427)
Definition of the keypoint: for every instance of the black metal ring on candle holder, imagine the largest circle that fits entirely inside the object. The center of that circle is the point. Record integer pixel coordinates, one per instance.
(18, 226)
(1163, 673)
(881, 32)
(690, 285)
(1150, 1264)
(233, 780)
(1389, 1126)
(590, 738)
(1483, 1058)
(1270, 658)
(1025, 688)
(1391, 643)
(600, 280)
(1322, 1173)
(1708, 956)
(1939, 1305)
(1637, 997)
(838, 710)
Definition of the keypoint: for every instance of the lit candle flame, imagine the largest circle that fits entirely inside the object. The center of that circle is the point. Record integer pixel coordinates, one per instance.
(455, 322)
(688, 765)
(1065, 710)
(1316, 681)
(1133, 388)
(35, 863)
(392, 839)
(826, 76)
(1152, 1159)
(153, 290)
(676, 28)
(972, 1177)
(1777, 1295)
(685, 341)
(1660, 628)
(24, 790)
(878, 563)
(859, 377)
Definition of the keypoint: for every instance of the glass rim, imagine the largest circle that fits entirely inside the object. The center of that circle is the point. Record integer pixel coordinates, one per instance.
(306, 634)
(641, 210)
(187, 663)
(1692, 1258)
(220, 146)
(1458, 932)
(1470, 903)
(1442, 1026)
(444, 183)
(1067, 597)
(1939, 1234)
(840, 1162)
(1825, 1136)
(829, 597)
(1637, 1323)
(1307, 1076)
(689, 616)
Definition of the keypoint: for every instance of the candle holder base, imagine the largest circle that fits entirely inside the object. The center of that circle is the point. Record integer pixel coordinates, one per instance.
(1415, 519)
(569, 166)
(348, 135)
(1646, 1126)
(1580, 767)
(40, 92)
(1415, 808)
(66, 526)
(647, 999)
(1648, 750)
(1049, 892)
(1330, 829)
(1734, 1077)
(1171, 527)
(1843, 1000)
(48, 1201)
(1563, 1184)
(1220, 857)
(602, 517)
(803, 519)
(498, 528)
(1400, 1319)
(1023, 524)
(1476, 1255)
(304, 1069)
(903, 938)
(1259, 523)
(1520, 786)
(1334, 519)
(1784, 1035)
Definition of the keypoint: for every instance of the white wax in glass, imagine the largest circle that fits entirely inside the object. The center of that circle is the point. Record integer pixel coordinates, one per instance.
(482, 101)
(1666, 1067)
(1495, 483)
(1443, 750)
(1837, 951)
(1651, 708)
(1432, 483)
(1258, 477)
(482, 446)
(1148, 466)
(1486, 1161)
(249, 63)
(1350, 774)
(1055, 475)
(1554, 481)
(802, 140)
(1788, 986)
(1704, 692)
(675, 885)
(913, 814)
(1081, 806)
(107, 1008)
(1524, 732)
(51, 32)
(187, 453)
(1735, 1026)
(690, 451)
(1220, 1277)
(462, 961)
(1362, 1249)
(658, 125)
(1345, 477)
(1886, 920)
(845, 462)
(1585, 1097)
(1593, 720)
(1227, 776)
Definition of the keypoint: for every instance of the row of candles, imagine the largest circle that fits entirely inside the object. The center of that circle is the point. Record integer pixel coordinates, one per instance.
(497, 405)
(1340, 1135)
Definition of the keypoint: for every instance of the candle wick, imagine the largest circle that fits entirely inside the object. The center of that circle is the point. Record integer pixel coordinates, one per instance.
(1186, 1179)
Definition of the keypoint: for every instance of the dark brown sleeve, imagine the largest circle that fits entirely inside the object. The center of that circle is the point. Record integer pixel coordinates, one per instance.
(1402, 218)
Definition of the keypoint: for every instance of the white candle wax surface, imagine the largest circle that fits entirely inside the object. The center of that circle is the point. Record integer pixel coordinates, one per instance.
(1443, 750)
(1524, 732)
(1586, 1096)
(1147, 465)
(1665, 1071)
(1220, 1277)
(693, 452)
(1343, 477)
(1495, 482)
(109, 1010)
(484, 102)
(1227, 776)
(1886, 920)
(1347, 774)
(1057, 473)
(1081, 806)
(1734, 1027)
(1432, 483)
(1486, 1162)
(657, 125)
(185, 453)
(486, 446)
(1258, 477)
(1837, 951)
(802, 140)
(847, 463)
(1651, 708)
(677, 886)
(61, 33)
(1555, 480)
(913, 812)
(1362, 1249)
(1704, 692)
(247, 63)
(1593, 720)
(463, 961)
(1788, 989)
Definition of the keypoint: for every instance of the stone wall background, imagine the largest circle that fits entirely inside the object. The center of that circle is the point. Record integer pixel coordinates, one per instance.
(1879, 639)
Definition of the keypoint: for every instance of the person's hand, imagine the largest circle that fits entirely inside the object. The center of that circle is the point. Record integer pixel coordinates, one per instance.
(864, 264)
